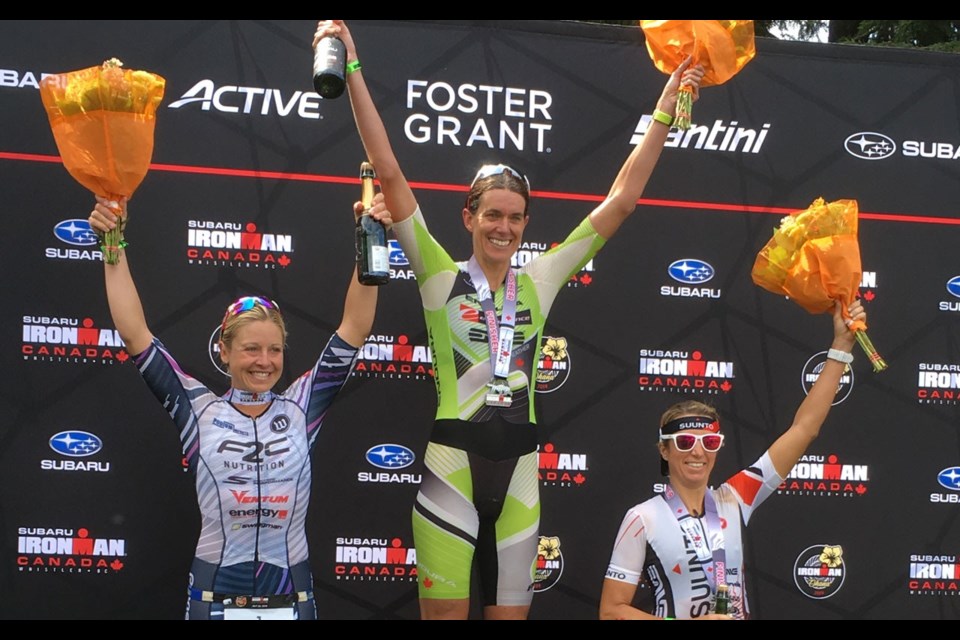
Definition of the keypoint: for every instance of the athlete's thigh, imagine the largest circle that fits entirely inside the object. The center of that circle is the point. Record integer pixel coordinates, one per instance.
(445, 524)
(517, 534)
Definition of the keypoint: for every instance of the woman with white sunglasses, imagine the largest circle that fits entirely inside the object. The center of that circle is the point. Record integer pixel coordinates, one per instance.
(250, 448)
(479, 496)
(687, 541)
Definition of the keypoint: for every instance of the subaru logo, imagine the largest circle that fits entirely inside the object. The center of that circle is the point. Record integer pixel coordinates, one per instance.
(950, 478)
(691, 271)
(397, 257)
(869, 145)
(76, 232)
(390, 456)
(76, 444)
(953, 286)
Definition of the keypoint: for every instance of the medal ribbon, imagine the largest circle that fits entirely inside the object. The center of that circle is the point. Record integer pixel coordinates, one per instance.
(499, 333)
(693, 529)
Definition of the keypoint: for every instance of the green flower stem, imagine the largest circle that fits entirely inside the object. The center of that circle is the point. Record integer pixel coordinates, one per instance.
(684, 108)
(111, 244)
(879, 364)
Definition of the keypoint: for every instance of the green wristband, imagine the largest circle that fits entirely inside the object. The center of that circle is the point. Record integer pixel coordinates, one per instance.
(663, 117)
(353, 65)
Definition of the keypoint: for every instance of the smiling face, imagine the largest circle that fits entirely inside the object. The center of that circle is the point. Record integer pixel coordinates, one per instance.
(497, 225)
(254, 356)
(689, 468)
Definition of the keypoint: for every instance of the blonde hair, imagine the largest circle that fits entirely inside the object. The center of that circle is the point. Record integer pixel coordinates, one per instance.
(257, 313)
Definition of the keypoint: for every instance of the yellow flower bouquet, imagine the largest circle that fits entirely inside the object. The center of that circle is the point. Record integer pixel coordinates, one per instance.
(814, 259)
(103, 120)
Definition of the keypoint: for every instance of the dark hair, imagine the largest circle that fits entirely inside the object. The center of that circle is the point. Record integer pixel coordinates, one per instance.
(688, 408)
(499, 177)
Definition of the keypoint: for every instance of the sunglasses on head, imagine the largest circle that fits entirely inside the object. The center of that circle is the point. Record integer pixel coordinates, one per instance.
(245, 304)
(488, 170)
(710, 442)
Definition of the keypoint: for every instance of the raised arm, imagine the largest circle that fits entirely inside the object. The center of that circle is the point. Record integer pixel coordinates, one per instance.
(360, 306)
(632, 179)
(125, 307)
(399, 197)
(788, 448)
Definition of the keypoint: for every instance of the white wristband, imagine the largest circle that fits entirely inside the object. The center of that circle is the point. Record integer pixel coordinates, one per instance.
(840, 356)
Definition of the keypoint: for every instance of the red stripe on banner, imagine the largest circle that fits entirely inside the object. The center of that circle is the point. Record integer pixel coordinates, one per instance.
(28, 157)
(436, 186)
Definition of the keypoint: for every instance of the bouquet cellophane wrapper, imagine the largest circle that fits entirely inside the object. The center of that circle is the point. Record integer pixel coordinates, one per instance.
(109, 153)
(723, 47)
(103, 121)
(813, 257)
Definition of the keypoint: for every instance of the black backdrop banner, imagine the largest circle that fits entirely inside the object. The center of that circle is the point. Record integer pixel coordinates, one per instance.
(247, 153)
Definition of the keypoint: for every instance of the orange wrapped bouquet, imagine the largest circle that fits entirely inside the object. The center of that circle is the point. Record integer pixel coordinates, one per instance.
(723, 47)
(814, 259)
(103, 120)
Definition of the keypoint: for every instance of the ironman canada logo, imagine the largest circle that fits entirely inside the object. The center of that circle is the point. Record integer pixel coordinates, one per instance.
(819, 571)
(553, 365)
(683, 371)
(70, 339)
(68, 550)
(561, 469)
(813, 368)
(375, 560)
(549, 565)
(234, 244)
(818, 475)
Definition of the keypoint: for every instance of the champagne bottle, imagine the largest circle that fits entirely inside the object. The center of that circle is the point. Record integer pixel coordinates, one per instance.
(722, 602)
(373, 260)
(330, 67)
